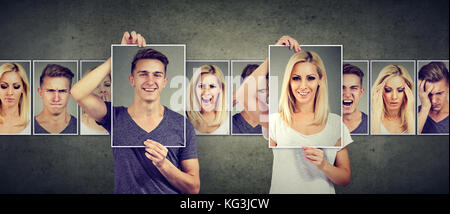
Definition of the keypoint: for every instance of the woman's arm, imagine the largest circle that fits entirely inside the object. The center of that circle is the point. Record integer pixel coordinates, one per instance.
(340, 173)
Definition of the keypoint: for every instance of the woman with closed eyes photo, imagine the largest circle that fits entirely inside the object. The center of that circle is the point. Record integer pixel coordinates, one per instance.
(393, 102)
(14, 99)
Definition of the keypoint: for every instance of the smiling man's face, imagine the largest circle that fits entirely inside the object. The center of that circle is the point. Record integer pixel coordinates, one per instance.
(148, 79)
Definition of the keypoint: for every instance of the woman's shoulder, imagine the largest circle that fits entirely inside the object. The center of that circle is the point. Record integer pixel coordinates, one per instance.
(334, 118)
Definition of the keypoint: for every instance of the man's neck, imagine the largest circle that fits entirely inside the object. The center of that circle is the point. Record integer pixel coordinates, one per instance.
(145, 109)
(247, 118)
(356, 115)
(46, 116)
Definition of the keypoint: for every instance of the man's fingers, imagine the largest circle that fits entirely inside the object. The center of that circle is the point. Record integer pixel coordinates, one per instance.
(133, 37)
(125, 38)
(139, 40)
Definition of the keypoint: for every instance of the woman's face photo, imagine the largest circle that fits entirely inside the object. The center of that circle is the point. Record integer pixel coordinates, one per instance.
(103, 90)
(208, 91)
(304, 82)
(394, 93)
(11, 88)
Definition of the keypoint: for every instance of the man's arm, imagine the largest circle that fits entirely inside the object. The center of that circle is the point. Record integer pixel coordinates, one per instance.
(187, 180)
(425, 105)
(82, 90)
(253, 82)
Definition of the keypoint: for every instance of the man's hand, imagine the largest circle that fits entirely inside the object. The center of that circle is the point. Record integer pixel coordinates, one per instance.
(156, 152)
(133, 38)
(423, 95)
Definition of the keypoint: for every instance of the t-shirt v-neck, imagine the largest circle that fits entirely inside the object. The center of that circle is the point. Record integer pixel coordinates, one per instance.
(140, 128)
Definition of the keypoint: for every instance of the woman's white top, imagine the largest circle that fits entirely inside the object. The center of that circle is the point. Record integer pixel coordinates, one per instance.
(291, 172)
(383, 130)
(27, 130)
(224, 129)
(85, 130)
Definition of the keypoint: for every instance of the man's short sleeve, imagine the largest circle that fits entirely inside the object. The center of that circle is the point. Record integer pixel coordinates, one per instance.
(190, 149)
(106, 120)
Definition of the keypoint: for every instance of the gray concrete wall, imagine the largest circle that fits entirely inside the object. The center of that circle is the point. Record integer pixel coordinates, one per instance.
(223, 30)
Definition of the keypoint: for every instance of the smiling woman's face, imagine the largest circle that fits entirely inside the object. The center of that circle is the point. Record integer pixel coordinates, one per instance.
(394, 93)
(208, 91)
(11, 88)
(304, 82)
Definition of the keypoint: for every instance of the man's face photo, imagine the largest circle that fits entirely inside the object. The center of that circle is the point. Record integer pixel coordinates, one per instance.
(351, 93)
(438, 94)
(54, 93)
(148, 79)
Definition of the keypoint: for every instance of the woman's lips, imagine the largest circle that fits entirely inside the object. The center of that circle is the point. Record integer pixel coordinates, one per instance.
(10, 99)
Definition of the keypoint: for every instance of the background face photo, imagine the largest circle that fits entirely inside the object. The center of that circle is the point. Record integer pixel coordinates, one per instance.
(237, 66)
(39, 65)
(224, 65)
(223, 30)
(378, 65)
(26, 64)
(363, 105)
(420, 64)
(87, 66)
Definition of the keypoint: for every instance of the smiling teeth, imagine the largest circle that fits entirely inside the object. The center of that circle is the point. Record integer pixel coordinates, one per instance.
(303, 93)
(149, 89)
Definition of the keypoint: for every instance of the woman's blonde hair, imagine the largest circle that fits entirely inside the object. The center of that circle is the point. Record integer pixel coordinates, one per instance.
(24, 103)
(194, 109)
(379, 111)
(286, 104)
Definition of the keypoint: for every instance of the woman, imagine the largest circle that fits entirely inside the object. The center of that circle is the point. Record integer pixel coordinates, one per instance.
(14, 100)
(207, 101)
(393, 102)
(304, 120)
(88, 125)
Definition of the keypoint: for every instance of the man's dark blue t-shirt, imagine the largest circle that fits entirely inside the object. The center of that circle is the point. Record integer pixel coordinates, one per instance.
(362, 127)
(240, 126)
(133, 171)
(71, 128)
(433, 127)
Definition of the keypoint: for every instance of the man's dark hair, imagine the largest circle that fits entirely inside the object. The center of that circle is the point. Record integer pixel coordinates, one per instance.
(351, 69)
(433, 72)
(150, 54)
(54, 70)
(247, 71)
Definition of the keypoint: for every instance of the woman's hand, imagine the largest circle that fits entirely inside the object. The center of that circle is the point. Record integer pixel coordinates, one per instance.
(315, 156)
(133, 38)
(289, 42)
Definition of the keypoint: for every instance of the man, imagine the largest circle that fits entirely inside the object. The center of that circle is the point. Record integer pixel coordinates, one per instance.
(433, 95)
(154, 169)
(55, 83)
(242, 122)
(352, 90)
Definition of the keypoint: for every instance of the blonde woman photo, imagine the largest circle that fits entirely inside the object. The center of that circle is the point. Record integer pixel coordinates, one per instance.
(393, 101)
(14, 99)
(309, 147)
(207, 110)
